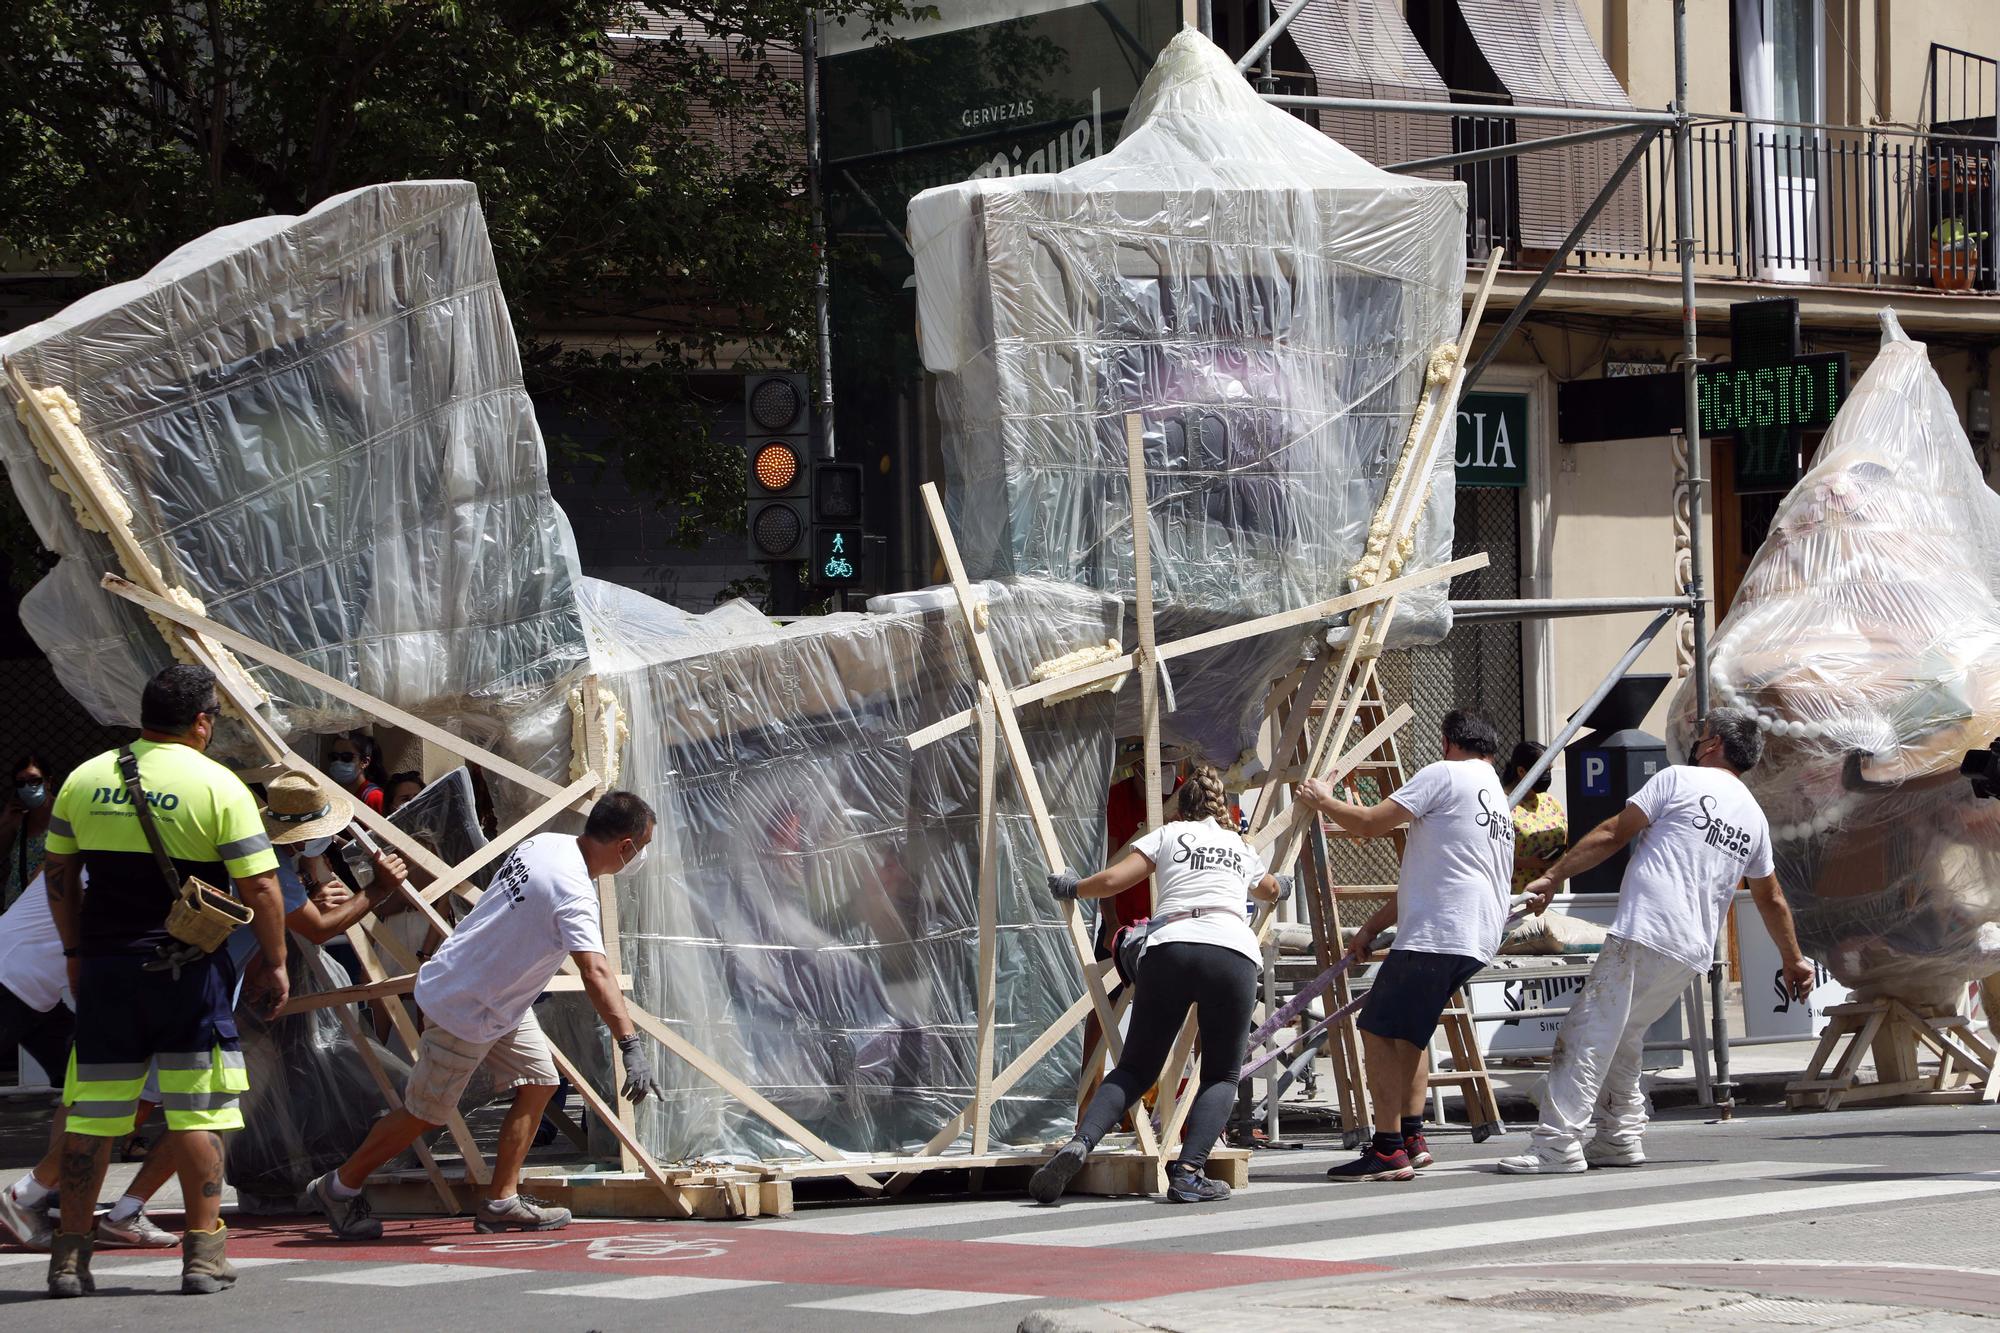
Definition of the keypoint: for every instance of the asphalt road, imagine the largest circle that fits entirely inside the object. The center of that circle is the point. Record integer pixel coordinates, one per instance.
(1914, 1185)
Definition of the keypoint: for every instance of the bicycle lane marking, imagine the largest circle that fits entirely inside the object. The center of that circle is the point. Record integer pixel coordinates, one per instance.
(769, 1254)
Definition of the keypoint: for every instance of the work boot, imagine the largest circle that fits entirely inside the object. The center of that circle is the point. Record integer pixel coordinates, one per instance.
(69, 1265)
(1187, 1184)
(205, 1267)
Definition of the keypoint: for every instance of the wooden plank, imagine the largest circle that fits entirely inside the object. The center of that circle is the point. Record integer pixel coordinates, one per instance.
(989, 922)
(1146, 663)
(647, 1165)
(711, 1069)
(1305, 615)
(319, 680)
(524, 827)
(1284, 752)
(403, 984)
(1023, 768)
(597, 759)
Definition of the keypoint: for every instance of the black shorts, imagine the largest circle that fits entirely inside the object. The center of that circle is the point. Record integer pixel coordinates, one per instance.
(45, 1034)
(1410, 990)
(128, 1019)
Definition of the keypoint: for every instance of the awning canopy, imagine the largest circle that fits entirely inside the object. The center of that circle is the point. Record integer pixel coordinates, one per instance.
(1363, 48)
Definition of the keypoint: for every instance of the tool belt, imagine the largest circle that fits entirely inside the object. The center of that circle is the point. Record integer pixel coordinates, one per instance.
(203, 917)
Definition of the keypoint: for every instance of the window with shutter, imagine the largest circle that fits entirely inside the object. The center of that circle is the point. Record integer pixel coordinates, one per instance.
(1363, 48)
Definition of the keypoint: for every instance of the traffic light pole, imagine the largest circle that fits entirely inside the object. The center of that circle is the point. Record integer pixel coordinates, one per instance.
(822, 296)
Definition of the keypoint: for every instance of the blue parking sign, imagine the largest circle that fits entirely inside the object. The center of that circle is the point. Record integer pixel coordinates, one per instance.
(1596, 772)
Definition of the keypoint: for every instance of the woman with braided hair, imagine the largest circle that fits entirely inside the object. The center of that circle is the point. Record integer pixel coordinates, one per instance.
(1199, 951)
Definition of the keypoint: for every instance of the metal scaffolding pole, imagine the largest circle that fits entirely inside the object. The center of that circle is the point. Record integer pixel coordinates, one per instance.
(1696, 590)
(1552, 608)
(1516, 149)
(1556, 261)
(1272, 31)
(1636, 119)
(1582, 715)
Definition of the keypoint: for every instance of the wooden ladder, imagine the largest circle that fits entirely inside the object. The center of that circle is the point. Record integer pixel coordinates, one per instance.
(1379, 776)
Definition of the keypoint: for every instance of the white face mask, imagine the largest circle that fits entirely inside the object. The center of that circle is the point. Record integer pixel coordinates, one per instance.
(315, 846)
(633, 866)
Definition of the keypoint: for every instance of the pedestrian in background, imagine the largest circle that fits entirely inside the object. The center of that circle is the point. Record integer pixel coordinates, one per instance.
(24, 825)
(1541, 824)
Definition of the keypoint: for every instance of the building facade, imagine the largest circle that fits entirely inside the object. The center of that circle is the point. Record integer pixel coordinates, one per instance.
(1845, 157)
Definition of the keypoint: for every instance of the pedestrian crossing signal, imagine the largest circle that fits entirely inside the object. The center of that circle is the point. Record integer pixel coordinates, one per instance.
(838, 553)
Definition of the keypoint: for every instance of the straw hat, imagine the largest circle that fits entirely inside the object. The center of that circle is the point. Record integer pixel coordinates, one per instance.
(301, 806)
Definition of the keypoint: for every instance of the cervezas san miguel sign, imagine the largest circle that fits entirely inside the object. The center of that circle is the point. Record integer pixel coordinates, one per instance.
(1071, 143)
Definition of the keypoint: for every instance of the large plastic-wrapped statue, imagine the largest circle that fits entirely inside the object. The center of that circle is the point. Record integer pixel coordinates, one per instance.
(808, 913)
(318, 427)
(1265, 301)
(1866, 636)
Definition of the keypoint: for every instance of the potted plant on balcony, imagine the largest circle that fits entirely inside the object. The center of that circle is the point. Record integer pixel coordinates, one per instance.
(1954, 255)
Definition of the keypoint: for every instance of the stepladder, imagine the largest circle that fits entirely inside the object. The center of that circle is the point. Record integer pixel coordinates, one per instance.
(1461, 1065)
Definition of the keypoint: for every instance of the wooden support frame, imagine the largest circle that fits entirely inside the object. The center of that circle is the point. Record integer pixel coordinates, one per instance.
(1896, 1033)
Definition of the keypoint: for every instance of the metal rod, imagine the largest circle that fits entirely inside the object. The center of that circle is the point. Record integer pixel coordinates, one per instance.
(1267, 82)
(1578, 718)
(1272, 33)
(1473, 155)
(1204, 17)
(1690, 357)
(1635, 119)
(822, 291)
(1633, 157)
(1544, 608)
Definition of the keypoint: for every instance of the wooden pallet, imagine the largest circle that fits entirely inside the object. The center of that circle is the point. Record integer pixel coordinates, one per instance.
(1898, 1034)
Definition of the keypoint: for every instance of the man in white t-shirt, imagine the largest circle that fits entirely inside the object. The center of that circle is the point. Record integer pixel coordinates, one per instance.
(477, 993)
(1449, 912)
(1696, 833)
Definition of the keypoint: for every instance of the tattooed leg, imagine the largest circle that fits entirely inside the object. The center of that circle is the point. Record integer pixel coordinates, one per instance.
(84, 1159)
(199, 1152)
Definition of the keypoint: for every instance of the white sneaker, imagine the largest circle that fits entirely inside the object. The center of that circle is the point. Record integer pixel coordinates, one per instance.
(1540, 1161)
(1601, 1152)
(29, 1226)
(137, 1231)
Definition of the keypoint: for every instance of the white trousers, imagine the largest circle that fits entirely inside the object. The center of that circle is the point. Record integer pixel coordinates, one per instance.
(1594, 1079)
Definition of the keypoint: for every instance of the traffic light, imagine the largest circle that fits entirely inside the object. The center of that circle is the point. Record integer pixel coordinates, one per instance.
(838, 544)
(777, 434)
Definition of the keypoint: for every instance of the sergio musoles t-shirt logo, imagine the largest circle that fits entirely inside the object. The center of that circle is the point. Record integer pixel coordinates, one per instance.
(1499, 824)
(1209, 856)
(1720, 833)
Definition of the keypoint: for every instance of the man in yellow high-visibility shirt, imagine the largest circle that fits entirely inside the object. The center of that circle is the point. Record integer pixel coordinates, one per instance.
(133, 1006)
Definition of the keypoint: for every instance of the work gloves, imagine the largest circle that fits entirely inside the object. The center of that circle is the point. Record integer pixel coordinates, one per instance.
(1284, 887)
(640, 1080)
(1062, 884)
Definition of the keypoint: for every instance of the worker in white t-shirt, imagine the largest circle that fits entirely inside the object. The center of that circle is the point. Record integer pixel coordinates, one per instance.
(1449, 911)
(1199, 951)
(478, 992)
(1696, 833)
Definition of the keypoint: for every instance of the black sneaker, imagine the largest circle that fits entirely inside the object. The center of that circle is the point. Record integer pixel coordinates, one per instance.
(1186, 1184)
(1053, 1176)
(1372, 1165)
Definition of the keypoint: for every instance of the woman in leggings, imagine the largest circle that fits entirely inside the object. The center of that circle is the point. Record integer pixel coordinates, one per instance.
(1201, 951)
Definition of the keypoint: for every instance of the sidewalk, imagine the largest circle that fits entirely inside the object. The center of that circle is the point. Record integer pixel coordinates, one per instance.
(1601, 1295)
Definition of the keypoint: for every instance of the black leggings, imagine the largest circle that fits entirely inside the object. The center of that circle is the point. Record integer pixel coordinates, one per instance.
(1222, 986)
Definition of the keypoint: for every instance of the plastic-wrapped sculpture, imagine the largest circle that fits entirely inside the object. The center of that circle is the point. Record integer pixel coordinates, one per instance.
(318, 427)
(1264, 299)
(1866, 636)
(809, 911)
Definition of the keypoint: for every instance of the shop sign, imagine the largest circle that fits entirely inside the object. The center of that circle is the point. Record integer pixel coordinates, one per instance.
(1493, 440)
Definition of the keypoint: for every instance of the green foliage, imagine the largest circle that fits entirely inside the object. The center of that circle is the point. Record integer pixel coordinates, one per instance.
(636, 244)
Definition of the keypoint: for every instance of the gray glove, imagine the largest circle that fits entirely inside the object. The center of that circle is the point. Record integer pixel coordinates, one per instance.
(1062, 884)
(640, 1080)
(1284, 887)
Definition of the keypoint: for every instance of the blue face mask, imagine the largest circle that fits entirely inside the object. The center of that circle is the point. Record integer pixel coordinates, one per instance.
(315, 846)
(31, 794)
(343, 771)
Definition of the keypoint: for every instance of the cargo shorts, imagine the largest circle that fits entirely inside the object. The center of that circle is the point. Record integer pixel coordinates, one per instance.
(446, 1064)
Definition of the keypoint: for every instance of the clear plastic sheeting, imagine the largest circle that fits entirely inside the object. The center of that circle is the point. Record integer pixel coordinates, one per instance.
(1866, 637)
(1264, 299)
(319, 425)
(808, 914)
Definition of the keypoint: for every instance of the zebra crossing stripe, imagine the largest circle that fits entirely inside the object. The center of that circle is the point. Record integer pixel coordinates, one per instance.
(1643, 1217)
(408, 1275)
(1341, 1203)
(914, 1300)
(651, 1288)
